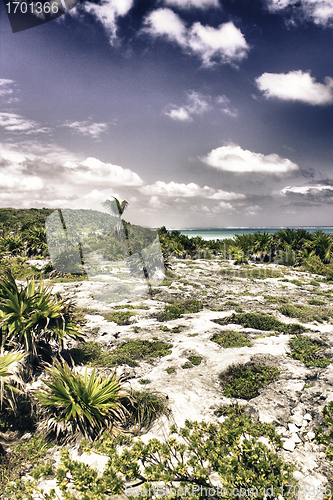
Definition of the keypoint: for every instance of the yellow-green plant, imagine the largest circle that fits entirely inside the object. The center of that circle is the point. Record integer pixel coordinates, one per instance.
(76, 406)
(30, 313)
(10, 380)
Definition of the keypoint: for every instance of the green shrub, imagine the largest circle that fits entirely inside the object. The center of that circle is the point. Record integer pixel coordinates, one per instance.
(242, 381)
(306, 313)
(179, 307)
(195, 360)
(276, 300)
(144, 381)
(327, 437)
(91, 353)
(22, 456)
(170, 369)
(143, 408)
(316, 302)
(263, 322)
(304, 349)
(187, 365)
(231, 338)
(30, 314)
(119, 317)
(75, 406)
(193, 457)
(231, 303)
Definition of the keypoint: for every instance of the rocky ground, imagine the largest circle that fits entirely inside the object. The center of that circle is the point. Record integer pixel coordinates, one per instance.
(293, 403)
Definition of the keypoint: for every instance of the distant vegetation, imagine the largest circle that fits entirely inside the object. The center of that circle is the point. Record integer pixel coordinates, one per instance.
(22, 234)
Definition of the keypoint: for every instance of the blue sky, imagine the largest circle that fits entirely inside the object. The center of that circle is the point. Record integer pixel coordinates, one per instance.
(200, 113)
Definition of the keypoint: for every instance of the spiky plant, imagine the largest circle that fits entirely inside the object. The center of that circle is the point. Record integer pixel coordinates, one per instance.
(76, 406)
(29, 314)
(10, 381)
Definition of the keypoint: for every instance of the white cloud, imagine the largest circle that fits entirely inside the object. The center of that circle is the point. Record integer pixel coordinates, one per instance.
(85, 128)
(196, 105)
(16, 123)
(175, 189)
(164, 22)
(94, 172)
(296, 86)
(305, 190)
(233, 158)
(224, 102)
(225, 44)
(106, 12)
(319, 12)
(4, 87)
(188, 4)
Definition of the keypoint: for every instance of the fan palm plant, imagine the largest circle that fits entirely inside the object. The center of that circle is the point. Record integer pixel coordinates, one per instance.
(76, 406)
(10, 380)
(30, 314)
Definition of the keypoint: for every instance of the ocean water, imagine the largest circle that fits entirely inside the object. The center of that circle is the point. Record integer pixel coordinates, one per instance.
(230, 232)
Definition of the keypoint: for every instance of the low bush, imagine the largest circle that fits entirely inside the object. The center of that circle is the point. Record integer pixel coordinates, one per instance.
(129, 353)
(263, 322)
(244, 381)
(233, 454)
(22, 457)
(306, 313)
(304, 349)
(177, 308)
(119, 317)
(276, 300)
(231, 338)
(143, 408)
(326, 436)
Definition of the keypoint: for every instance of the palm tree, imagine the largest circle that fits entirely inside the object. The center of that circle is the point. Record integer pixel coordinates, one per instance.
(117, 209)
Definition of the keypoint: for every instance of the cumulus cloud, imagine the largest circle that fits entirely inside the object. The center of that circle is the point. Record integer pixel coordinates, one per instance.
(196, 105)
(225, 44)
(189, 4)
(106, 12)
(233, 158)
(175, 189)
(319, 12)
(12, 122)
(94, 172)
(93, 130)
(308, 190)
(296, 86)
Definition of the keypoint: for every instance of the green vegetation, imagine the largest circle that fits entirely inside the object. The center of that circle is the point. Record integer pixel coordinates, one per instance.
(143, 408)
(177, 308)
(276, 300)
(238, 463)
(231, 338)
(170, 369)
(129, 306)
(31, 316)
(306, 313)
(144, 381)
(119, 317)
(326, 437)
(129, 353)
(263, 322)
(316, 302)
(74, 407)
(231, 303)
(195, 360)
(244, 381)
(22, 457)
(176, 329)
(305, 349)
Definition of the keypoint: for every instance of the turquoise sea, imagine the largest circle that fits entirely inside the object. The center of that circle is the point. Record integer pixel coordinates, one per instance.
(230, 232)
